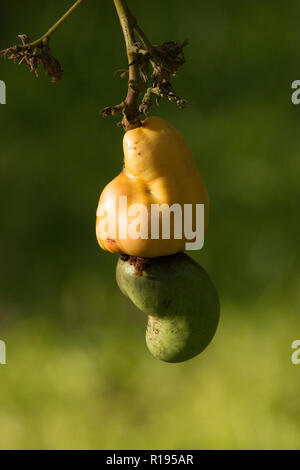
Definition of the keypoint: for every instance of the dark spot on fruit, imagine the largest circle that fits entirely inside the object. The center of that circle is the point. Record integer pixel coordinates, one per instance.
(111, 241)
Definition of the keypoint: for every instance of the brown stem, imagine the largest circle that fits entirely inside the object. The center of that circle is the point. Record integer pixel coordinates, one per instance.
(131, 111)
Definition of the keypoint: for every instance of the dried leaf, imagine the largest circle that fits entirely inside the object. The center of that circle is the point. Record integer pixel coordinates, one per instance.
(35, 56)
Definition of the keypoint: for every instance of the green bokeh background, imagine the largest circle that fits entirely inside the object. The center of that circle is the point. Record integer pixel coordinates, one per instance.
(78, 373)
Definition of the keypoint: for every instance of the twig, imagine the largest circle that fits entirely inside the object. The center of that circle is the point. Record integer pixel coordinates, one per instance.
(130, 106)
(38, 52)
(55, 27)
(164, 60)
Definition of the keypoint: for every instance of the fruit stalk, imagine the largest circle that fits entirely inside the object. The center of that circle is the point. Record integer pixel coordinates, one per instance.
(151, 69)
(131, 110)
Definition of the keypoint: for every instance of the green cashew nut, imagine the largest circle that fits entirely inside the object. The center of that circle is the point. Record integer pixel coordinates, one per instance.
(181, 303)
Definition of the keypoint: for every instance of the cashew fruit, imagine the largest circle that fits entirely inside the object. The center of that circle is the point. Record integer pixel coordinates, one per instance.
(159, 168)
(180, 300)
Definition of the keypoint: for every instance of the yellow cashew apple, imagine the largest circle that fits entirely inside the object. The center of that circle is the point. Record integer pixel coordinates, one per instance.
(159, 168)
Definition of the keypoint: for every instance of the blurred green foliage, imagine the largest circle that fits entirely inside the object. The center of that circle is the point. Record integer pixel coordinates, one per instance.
(79, 374)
